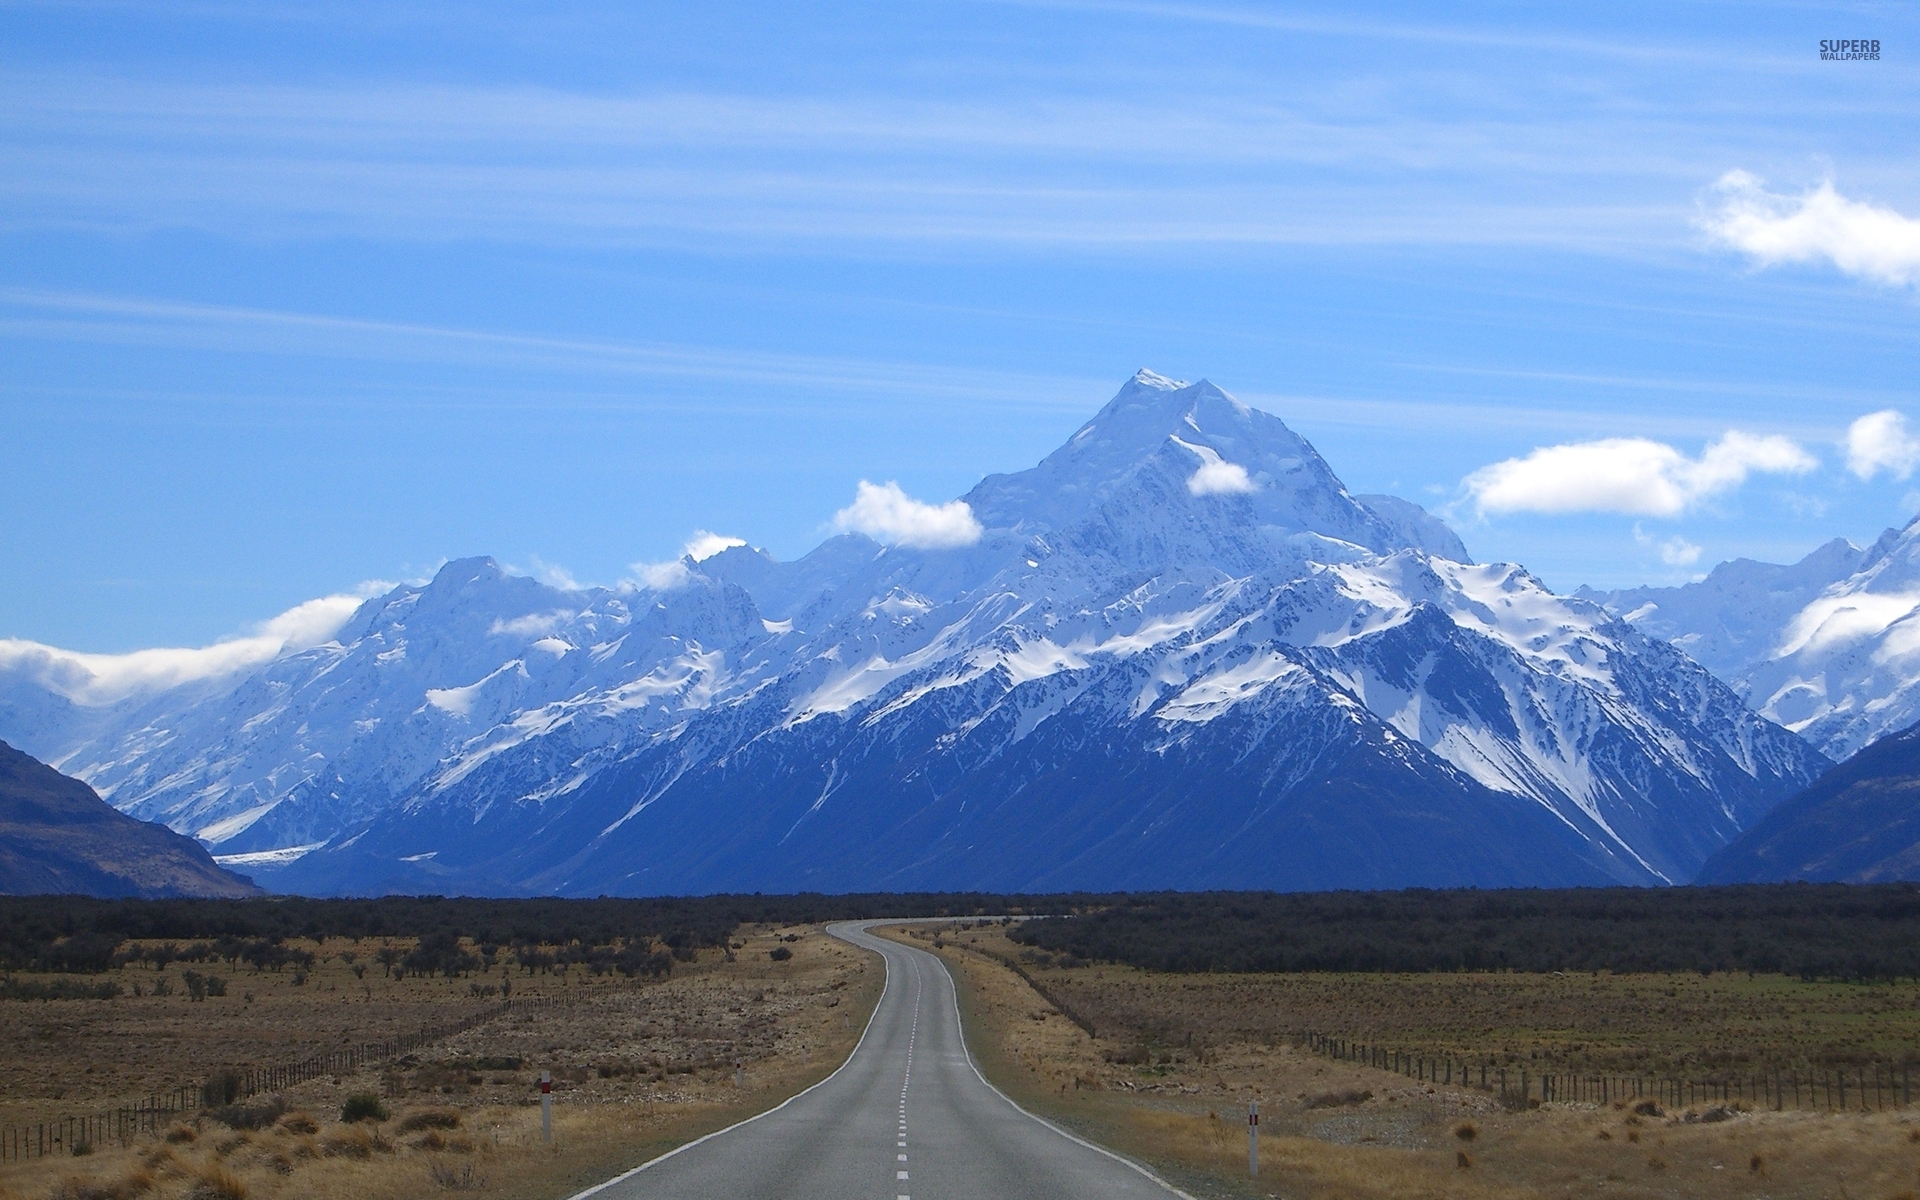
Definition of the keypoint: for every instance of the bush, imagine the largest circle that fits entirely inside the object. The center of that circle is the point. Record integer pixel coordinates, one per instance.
(779, 954)
(222, 1087)
(58, 989)
(248, 1116)
(430, 1118)
(363, 1106)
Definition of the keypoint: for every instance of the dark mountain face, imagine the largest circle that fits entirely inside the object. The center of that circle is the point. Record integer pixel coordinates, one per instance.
(1859, 823)
(57, 836)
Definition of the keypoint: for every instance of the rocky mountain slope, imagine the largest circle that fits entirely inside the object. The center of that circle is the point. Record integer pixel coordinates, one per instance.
(1178, 654)
(1860, 823)
(57, 836)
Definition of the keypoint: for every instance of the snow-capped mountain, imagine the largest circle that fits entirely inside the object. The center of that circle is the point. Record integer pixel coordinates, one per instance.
(1179, 653)
(1828, 646)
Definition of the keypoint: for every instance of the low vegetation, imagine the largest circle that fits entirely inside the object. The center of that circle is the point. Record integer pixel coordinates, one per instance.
(638, 1065)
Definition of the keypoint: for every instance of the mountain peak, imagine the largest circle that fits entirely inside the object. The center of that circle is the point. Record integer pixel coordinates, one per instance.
(1147, 377)
(1208, 472)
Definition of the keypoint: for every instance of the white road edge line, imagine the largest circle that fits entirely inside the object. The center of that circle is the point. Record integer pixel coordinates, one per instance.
(886, 984)
(961, 1026)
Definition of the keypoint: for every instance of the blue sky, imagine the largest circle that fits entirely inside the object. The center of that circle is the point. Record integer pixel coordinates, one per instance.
(294, 297)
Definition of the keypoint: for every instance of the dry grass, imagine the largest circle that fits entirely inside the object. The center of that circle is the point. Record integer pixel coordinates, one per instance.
(1338, 1130)
(637, 1069)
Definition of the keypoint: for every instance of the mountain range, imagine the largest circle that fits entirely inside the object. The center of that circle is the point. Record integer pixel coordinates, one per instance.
(1829, 646)
(1176, 653)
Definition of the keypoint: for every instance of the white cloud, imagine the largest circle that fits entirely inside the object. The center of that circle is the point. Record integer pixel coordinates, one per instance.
(704, 545)
(1637, 476)
(98, 679)
(1861, 239)
(885, 513)
(661, 576)
(1881, 441)
(1677, 551)
(1216, 476)
(554, 575)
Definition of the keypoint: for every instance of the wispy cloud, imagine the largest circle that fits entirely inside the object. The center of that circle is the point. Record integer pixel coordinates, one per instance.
(529, 164)
(1636, 476)
(675, 572)
(99, 679)
(704, 544)
(886, 513)
(1675, 551)
(127, 320)
(1819, 225)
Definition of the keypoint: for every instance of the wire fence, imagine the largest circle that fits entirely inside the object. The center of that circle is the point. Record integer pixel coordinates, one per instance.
(79, 1133)
(1850, 1089)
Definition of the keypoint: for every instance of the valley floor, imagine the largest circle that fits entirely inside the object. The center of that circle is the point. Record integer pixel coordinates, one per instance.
(1332, 1129)
(638, 1068)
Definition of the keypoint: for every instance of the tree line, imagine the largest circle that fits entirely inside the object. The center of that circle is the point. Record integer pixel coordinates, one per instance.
(1814, 931)
(85, 935)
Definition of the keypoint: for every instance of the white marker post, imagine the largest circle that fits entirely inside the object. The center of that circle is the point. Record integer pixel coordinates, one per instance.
(1253, 1138)
(546, 1106)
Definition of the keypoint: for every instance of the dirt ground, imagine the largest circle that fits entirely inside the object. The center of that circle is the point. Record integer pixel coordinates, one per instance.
(637, 1066)
(1331, 1129)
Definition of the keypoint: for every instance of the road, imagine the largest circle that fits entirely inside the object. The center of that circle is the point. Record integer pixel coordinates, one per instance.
(908, 1115)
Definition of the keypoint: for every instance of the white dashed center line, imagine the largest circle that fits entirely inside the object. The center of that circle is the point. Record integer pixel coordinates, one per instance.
(913, 1033)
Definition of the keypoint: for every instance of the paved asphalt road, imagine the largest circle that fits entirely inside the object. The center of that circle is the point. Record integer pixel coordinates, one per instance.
(907, 1116)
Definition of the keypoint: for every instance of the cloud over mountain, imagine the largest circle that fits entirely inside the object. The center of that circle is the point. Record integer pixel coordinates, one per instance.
(1636, 476)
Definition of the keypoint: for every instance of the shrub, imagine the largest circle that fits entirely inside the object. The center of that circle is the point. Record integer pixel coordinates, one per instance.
(181, 1134)
(58, 989)
(222, 1087)
(1466, 1131)
(430, 1118)
(249, 1116)
(779, 954)
(363, 1106)
(299, 1122)
(1338, 1099)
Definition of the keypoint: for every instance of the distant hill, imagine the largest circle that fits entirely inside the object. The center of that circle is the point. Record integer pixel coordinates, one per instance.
(58, 836)
(1858, 823)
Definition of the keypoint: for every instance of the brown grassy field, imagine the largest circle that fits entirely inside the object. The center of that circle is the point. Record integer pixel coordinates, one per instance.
(1332, 1129)
(638, 1067)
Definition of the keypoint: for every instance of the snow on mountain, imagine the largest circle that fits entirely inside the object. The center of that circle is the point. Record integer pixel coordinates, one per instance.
(1179, 654)
(1828, 646)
